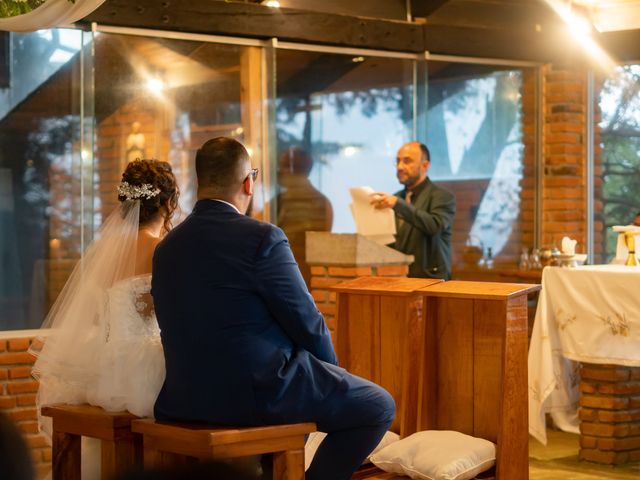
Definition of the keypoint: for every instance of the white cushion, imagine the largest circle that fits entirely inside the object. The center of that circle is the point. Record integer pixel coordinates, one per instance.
(437, 455)
(315, 439)
(388, 439)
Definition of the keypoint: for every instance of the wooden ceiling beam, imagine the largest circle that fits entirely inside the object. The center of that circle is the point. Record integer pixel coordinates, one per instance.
(513, 30)
(424, 8)
(257, 21)
(508, 44)
(623, 45)
(494, 14)
(317, 76)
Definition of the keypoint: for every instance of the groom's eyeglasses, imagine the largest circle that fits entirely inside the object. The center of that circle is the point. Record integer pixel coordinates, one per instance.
(253, 173)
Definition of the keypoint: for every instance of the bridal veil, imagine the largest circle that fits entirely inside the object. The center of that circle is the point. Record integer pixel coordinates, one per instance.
(76, 328)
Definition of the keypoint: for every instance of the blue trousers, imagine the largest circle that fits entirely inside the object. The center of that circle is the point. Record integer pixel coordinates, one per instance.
(355, 417)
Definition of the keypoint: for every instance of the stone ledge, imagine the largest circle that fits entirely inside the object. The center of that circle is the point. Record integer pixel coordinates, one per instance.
(350, 249)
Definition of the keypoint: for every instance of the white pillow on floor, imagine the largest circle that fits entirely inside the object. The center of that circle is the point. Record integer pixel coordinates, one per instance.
(437, 455)
(315, 439)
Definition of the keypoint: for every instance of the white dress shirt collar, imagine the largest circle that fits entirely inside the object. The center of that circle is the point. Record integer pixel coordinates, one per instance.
(224, 201)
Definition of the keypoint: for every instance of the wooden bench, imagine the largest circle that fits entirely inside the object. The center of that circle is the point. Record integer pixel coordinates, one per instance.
(121, 449)
(167, 443)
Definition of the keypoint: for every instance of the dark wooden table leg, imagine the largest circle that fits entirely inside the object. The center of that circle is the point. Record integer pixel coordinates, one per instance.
(288, 465)
(66, 456)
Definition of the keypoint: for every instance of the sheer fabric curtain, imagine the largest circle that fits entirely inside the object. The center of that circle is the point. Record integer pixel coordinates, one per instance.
(52, 13)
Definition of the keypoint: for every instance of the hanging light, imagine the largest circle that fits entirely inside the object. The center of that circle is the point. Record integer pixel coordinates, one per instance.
(155, 85)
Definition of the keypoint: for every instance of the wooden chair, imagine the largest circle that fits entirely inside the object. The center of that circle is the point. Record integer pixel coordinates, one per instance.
(121, 449)
(168, 443)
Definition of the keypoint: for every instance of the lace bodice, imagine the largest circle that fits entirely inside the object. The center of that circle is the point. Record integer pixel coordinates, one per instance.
(129, 309)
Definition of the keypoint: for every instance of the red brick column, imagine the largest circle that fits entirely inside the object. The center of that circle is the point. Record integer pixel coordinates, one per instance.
(18, 398)
(564, 201)
(610, 414)
(323, 277)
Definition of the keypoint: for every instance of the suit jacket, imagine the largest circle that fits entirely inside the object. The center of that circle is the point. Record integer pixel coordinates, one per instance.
(425, 230)
(243, 340)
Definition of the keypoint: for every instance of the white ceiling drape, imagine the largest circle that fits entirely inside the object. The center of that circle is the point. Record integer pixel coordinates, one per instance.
(52, 13)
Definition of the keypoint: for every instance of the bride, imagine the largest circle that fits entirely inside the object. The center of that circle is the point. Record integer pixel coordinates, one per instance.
(103, 344)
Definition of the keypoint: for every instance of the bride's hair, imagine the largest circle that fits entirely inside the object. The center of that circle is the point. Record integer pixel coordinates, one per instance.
(159, 177)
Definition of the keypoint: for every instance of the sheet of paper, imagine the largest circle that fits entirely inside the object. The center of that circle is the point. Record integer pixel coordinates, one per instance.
(378, 225)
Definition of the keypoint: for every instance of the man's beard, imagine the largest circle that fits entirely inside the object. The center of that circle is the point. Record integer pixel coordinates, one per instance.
(409, 181)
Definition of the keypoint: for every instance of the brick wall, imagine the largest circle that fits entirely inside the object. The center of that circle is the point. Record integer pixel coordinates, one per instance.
(468, 194)
(18, 398)
(564, 199)
(610, 414)
(323, 277)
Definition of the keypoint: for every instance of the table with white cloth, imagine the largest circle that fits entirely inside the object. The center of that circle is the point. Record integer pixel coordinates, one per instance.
(585, 314)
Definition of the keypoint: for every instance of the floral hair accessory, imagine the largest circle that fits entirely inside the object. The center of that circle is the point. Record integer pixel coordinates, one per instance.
(134, 192)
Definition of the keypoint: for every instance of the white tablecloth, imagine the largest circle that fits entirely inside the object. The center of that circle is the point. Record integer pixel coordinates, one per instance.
(585, 314)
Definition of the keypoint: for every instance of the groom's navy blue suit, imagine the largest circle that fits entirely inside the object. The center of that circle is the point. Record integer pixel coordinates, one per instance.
(244, 343)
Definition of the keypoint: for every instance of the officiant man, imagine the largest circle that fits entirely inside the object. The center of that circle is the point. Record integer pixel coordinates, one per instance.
(244, 343)
(424, 214)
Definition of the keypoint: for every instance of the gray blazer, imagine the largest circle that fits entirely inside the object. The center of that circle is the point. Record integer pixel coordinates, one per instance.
(425, 231)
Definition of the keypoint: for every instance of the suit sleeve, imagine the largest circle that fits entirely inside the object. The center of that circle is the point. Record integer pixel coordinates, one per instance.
(432, 221)
(281, 285)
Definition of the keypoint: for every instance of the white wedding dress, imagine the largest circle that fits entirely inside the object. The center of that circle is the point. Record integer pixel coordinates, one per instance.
(131, 362)
(126, 352)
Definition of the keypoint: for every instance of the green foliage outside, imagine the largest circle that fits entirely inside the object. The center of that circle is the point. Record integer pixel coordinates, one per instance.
(12, 8)
(620, 127)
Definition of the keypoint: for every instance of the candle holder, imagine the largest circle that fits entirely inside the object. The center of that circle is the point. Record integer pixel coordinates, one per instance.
(630, 240)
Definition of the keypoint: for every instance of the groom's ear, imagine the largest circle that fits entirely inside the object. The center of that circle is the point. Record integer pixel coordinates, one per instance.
(247, 186)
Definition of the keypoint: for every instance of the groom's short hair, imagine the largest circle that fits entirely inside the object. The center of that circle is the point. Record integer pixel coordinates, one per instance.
(218, 162)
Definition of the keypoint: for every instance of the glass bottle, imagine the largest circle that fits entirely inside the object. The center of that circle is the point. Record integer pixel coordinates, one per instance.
(489, 261)
(524, 259)
(534, 261)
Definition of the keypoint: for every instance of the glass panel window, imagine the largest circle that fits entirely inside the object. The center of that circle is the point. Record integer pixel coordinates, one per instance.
(40, 171)
(481, 138)
(617, 159)
(71, 118)
(160, 98)
(340, 120)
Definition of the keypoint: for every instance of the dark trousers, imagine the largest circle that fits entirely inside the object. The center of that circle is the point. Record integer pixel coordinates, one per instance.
(355, 417)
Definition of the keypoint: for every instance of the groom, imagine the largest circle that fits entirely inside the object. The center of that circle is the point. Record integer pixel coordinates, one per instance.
(243, 341)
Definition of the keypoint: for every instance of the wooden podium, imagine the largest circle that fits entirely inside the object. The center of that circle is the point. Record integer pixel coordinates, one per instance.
(474, 367)
(453, 355)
